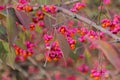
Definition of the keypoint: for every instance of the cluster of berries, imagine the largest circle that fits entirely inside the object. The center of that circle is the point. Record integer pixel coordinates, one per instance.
(83, 68)
(6, 75)
(69, 34)
(22, 54)
(37, 20)
(23, 5)
(86, 34)
(2, 7)
(49, 9)
(23, 1)
(99, 74)
(106, 2)
(53, 50)
(112, 25)
(77, 6)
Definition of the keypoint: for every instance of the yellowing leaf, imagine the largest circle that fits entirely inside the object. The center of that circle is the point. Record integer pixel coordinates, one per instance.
(2, 16)
(87, 54)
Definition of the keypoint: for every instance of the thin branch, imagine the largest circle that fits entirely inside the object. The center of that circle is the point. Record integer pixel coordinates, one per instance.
(21, 70)
(70, 2)
(42, 70)
(62, 22)
(49, 15)
(89, 22)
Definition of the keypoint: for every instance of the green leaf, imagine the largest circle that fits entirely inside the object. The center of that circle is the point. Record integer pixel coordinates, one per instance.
(74, 56)
(11, 27)
(110, 52)
(38, 29)
(88, 56)
(7, 55)
(48, 2)
(2, 29)
(10, 59)
(3, 52)
(21, 40)
(3, 33)
(42, 2)
(22, 37)
(11, 12)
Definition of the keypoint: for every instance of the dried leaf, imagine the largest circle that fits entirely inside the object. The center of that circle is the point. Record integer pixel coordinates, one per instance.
(2, 15)
(110, 53)
(64, 45)
(24, 18)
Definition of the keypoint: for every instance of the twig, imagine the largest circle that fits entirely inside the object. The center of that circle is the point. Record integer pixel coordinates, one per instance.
(70, 2)
(62, 22)
(47, 14)
(21, 70)
(42, 70)
(115, 41)
(32, 61)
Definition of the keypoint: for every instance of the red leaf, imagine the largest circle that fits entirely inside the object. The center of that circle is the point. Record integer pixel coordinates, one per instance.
(110, 53)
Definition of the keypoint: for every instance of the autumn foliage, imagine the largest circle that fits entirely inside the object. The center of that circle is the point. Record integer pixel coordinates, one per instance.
(59, 40)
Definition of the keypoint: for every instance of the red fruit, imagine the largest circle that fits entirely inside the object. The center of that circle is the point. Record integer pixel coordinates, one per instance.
(49, 59)
(28, 8)
(23, 28)
(29, 53)
(17, 49)
(19, 7)
(40, 14)
(72, 46)
(41, 24)
(32, 26)
(62, 29)
(35, 19)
